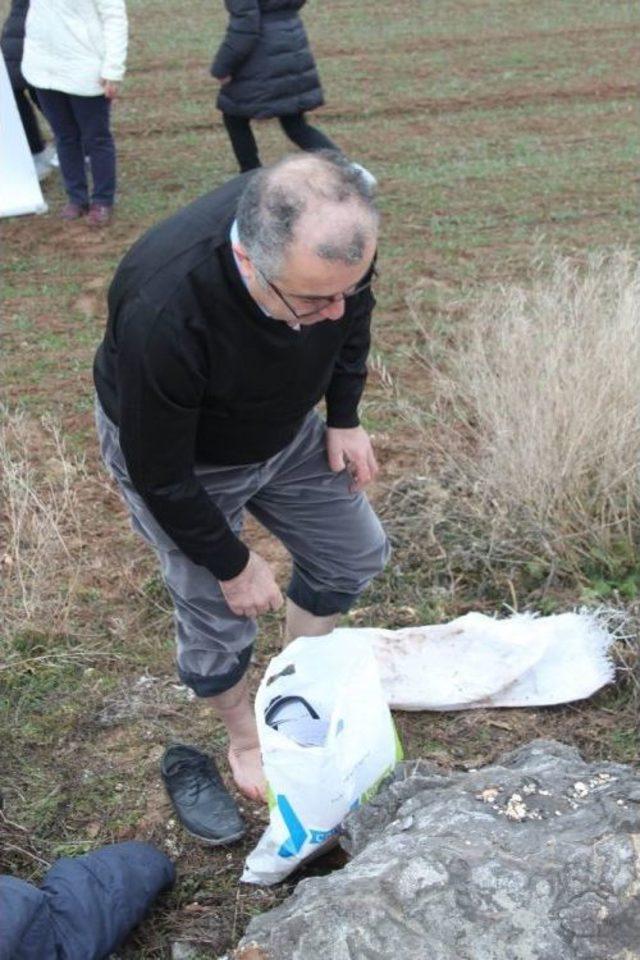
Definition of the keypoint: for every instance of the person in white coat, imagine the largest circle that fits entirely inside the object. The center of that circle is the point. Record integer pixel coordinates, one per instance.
(74, 55)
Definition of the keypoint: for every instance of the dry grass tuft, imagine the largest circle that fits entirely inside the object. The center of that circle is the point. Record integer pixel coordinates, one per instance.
(541, 406)
(42, 537)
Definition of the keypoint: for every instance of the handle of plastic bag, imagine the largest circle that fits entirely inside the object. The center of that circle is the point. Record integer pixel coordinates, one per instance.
(279, 701)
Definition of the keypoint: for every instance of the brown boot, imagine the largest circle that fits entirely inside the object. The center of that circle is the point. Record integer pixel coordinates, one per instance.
(99, 215)
(73, 211)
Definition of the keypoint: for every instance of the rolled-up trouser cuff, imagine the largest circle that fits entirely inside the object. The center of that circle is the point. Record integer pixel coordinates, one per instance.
(211, 686)
(321, 603)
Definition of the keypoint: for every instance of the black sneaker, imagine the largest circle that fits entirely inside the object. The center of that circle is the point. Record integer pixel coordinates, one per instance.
(201, 801)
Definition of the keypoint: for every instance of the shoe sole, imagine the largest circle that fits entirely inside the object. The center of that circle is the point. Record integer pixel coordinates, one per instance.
(214, 843)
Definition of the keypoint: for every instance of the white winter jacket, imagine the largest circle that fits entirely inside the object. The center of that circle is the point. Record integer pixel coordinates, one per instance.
(69, 45)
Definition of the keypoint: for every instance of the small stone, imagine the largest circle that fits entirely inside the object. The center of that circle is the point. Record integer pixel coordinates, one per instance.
(516, 809)
(144, 681)
(184, 951)
(172, 848)
(488, 795)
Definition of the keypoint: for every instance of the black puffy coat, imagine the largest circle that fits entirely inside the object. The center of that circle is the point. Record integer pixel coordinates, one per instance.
(266, 53)
(12, 42)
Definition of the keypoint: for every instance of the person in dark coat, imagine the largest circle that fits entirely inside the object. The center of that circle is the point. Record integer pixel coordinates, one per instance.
(85, 907)
(12, 43)
(266, 69)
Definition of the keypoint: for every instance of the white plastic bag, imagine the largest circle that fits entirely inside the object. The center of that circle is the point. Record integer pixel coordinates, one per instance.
(333, 701)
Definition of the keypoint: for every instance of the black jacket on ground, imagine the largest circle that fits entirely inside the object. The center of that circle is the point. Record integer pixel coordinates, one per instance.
(194, 372)
(12, 42)
(266, 53)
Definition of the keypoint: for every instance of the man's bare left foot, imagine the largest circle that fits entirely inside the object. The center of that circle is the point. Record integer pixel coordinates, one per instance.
(248, 773)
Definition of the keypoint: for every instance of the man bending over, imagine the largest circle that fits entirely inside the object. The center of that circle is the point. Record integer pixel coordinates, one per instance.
(228, 323)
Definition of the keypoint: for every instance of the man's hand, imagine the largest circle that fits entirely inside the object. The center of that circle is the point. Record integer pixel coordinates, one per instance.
(223, 80)
(253, 591)
(110, 89)
(351, 449)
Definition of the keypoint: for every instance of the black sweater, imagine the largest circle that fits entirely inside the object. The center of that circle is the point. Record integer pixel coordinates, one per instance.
(193, 372)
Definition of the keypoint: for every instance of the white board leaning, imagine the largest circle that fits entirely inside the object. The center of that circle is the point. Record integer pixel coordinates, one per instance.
(19, 187)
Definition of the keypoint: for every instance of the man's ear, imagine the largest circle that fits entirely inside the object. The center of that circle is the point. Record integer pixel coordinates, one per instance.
(245, 263)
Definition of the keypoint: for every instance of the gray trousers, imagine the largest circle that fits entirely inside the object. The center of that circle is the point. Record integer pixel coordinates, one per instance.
(336, 543)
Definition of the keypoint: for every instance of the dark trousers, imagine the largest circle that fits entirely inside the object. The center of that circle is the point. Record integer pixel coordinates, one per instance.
(81, 128)
(295, 127)
(26, 98)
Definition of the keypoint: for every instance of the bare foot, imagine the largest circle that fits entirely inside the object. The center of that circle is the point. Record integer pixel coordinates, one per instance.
(246, 767)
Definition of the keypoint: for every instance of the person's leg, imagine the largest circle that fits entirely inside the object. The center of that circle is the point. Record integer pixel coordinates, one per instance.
(29, 121)
(213, 644)
(301, 623)
(56, 107)
(243, 142)
(92, 116)
(336, 541)
(303, 134)
(33, 94)
(235, 710)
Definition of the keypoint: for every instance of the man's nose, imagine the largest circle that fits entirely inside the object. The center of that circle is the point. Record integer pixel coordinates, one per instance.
(335, 309)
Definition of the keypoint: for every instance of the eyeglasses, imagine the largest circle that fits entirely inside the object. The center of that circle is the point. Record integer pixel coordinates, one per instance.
(320, 302)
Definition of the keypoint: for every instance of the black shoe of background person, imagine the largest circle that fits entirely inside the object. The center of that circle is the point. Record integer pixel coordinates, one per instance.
(200, 799)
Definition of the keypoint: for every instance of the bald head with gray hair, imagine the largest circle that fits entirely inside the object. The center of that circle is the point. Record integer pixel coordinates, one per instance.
(315, 198)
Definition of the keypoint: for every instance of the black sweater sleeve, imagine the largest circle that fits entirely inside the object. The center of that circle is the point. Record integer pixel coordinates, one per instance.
(242, 34)
(350, 370)
(161, 379)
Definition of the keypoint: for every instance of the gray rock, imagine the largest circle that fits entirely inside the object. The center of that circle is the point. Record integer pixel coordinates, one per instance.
(534, 858)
